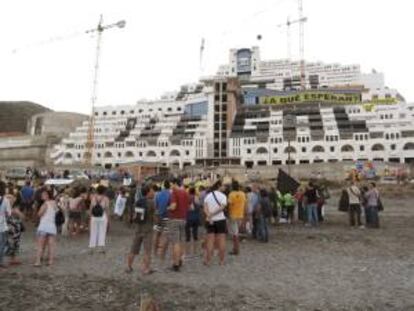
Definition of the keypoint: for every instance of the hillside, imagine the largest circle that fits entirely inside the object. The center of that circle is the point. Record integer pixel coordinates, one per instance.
(15, 114)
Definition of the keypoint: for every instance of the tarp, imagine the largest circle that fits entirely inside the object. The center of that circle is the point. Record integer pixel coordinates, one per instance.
(286, 183)
(58, 182)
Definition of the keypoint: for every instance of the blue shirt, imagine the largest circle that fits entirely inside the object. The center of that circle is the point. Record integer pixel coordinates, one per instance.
(162, 201)
(27, 193)
(193, 213)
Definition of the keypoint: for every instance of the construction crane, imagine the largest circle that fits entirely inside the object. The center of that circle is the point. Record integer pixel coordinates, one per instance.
(288, 34)
(301, 20)
(302, 45)
(90, 143)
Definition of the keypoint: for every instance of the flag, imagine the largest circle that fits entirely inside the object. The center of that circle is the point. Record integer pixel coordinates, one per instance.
(286, 183)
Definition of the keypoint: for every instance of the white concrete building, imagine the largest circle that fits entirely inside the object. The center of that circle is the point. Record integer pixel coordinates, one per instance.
(248, 116)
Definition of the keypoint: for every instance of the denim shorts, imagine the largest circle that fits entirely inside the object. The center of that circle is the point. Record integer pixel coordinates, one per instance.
(44, 234)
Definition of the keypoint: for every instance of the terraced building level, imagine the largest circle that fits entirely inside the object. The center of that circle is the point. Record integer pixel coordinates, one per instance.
(249, 116)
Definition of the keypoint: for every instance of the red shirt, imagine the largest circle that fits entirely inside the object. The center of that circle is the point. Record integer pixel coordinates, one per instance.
(182, 200)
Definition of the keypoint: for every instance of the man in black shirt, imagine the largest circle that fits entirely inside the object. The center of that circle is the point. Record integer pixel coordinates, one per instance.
(311, 199)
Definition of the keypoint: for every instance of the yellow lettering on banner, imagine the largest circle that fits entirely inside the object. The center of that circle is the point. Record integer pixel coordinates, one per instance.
(312, 96)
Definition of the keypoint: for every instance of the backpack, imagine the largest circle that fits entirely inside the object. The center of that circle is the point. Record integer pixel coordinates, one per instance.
(97, 210)
(266, 208)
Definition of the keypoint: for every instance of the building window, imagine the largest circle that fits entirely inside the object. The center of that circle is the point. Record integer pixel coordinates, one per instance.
(393, 147)
(162, 153)
(248, 151)
(361, 148)
(332, 149)
(274, 150)
(187, 152)
(104, 113)
(140, 154)
(113, 113)
(303, 149)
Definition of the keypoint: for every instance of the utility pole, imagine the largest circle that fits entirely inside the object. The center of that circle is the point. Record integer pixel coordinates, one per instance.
(90, 144)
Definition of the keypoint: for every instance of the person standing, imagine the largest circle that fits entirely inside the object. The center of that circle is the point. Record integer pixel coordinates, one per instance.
(99, 219)
(75, 211)
(311, 198)
(264, 213)
(299, 196)
(252, 203)
(180, 203)
(289, 203)
(47, 231)
(120, 203)
(143, 220)
(27, 196)
(5, 212)
(354, 210)
(372, 205)
(16, 228)
(192, 222)
(237, 211)
(214, 204)
(162, 202)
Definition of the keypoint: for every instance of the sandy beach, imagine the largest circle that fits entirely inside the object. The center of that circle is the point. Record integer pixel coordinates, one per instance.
(332, 267)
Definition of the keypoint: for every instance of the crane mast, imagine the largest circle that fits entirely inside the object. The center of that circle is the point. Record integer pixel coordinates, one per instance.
(302, 45)
(90, 143)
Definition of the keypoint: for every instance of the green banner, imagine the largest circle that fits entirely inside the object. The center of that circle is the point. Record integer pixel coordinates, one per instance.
(311, 97)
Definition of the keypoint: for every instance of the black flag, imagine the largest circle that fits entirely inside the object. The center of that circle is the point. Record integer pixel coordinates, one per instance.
(285, 183)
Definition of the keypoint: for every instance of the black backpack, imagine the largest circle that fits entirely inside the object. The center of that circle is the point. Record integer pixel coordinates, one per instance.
(97, 210)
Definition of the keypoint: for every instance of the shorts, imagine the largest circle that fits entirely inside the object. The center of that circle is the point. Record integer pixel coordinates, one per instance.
(75, 215)
(161, 226)
(234, 226)
(44, 234)
(191, 230)
(139, 240)
(25, 206)
(176, 228)
(217, 227)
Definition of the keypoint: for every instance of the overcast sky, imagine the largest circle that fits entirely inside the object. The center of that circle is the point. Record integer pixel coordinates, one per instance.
(158, 50)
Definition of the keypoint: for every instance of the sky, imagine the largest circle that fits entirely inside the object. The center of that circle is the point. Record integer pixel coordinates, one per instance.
(158, 50)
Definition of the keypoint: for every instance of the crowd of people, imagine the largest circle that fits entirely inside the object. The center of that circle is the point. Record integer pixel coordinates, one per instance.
(189, 219)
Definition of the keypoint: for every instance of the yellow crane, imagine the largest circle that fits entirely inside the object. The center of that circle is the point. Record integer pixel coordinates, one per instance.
(90, 143)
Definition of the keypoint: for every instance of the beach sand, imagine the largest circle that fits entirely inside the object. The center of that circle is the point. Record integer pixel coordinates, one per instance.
(332, 267)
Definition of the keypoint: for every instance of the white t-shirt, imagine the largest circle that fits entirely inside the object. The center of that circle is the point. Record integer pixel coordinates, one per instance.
(354, 193)
(213, 206)
(5, 210)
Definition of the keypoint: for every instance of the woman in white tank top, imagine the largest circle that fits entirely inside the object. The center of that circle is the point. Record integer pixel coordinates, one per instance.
(46, 232)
